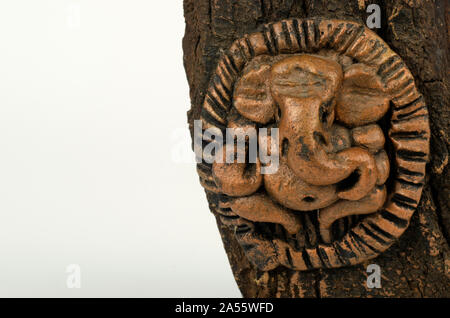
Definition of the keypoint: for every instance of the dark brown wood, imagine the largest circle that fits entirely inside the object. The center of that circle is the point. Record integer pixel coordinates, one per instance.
(418, 264)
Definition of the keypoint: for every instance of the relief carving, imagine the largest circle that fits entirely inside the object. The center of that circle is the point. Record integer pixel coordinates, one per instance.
(336, 198)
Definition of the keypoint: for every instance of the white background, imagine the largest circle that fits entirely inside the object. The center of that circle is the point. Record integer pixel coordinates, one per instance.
(94, 153)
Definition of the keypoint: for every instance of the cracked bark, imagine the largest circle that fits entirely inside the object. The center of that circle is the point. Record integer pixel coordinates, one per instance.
(418, 30)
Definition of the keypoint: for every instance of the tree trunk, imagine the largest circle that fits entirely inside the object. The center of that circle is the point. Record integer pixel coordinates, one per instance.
(418, 265)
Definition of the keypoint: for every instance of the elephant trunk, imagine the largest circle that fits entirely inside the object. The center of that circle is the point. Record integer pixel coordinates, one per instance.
(305, 135)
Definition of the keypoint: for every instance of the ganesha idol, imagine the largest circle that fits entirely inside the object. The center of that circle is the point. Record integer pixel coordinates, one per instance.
(332, 168)
(330, 152)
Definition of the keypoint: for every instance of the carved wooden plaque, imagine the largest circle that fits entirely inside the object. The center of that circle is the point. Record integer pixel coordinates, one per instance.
(313, 95)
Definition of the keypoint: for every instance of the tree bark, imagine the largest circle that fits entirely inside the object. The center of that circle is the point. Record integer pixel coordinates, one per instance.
(418, 265)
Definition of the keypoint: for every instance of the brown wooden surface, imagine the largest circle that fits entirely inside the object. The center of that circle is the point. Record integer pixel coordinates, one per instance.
(418, 264)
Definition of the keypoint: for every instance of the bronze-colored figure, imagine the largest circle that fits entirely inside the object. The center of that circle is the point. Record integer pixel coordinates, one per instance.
(334, 200)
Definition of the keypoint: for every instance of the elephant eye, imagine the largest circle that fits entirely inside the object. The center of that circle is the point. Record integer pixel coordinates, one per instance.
(325, 112)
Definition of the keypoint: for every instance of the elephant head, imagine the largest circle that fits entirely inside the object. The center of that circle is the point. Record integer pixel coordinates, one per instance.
(309, 91)
(306, 89)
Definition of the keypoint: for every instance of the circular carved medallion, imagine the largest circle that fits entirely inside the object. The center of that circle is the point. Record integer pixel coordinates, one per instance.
(325, 101)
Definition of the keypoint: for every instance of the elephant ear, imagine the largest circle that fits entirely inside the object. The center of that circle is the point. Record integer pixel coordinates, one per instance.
(363, 98)
(252, 97)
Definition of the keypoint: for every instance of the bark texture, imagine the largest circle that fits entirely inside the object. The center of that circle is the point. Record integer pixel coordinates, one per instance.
(418, 265)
